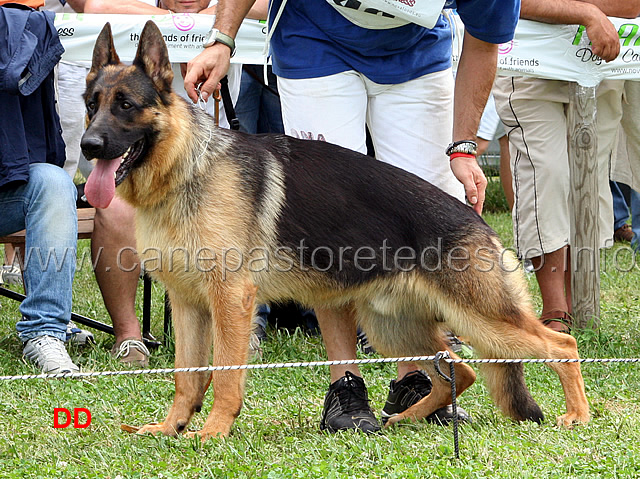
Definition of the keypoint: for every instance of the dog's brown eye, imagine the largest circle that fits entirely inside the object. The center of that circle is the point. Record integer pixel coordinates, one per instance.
(126, 105)
(91, 105)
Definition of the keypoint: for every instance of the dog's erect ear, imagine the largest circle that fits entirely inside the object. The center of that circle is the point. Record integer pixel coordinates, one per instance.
(104, 53)
(152, 56)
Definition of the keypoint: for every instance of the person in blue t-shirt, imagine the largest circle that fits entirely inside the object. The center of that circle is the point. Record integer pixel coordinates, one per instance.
(341, 67)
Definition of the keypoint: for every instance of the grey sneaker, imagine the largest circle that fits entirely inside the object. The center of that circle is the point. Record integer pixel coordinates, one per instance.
(49, 354)
(11, 275)
(78, 336)
(131, 351)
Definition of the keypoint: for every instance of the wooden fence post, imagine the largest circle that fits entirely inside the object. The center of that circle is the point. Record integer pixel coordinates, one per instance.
(583, 201)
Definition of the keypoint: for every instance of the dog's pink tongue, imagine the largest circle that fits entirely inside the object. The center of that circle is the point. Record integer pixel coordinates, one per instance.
(101, 184)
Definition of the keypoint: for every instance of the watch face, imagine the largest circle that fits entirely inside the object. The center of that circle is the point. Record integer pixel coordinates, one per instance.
(210, 39)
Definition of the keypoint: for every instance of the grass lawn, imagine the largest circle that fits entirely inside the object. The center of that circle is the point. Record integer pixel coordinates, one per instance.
(277, 433)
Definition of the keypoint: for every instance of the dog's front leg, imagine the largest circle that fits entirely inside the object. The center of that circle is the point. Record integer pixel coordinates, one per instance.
(193, 339)
(233, 309)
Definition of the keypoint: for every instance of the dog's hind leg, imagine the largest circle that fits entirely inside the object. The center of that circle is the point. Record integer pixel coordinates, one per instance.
(233, 308)
(564, 346)
(528, 338)
(193, 339)
(394, 331)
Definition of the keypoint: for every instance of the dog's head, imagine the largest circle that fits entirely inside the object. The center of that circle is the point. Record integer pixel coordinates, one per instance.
(122, 106)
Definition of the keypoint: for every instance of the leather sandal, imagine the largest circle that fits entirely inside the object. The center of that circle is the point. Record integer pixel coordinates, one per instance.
(557, 320)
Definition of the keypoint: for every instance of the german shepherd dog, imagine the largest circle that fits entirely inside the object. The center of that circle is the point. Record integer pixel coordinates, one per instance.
(234, 218)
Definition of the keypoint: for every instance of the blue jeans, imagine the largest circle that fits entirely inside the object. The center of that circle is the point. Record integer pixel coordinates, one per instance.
(46, 208)
(635, 219)
(621, 212)
(620, 207)
(257, 108)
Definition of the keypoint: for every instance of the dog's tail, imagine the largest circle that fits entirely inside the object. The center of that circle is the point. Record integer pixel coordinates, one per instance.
(510, 393)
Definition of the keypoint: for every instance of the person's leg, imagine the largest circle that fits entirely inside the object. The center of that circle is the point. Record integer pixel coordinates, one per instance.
(49, 262)
(539, 164)
(10, 272)
(332, 109)
(635, 219)
(339, 336)
(552, 273)
(248, 105)
(622, 232)
(346, 404)
(506, 179)
(117, 273)
(608, 117)
(270, 120)
(483, 145)
(45, 207)
(489, 127)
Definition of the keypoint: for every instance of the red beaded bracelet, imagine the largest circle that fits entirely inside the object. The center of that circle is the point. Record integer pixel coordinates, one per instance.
(461, 155)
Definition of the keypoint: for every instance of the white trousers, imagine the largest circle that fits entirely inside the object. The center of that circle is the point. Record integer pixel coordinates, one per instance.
(411, 123)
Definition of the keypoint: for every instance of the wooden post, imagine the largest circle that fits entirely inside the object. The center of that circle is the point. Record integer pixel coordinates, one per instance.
(583, 201)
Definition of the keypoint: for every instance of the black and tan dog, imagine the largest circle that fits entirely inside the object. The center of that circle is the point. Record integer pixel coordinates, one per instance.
(231, 217)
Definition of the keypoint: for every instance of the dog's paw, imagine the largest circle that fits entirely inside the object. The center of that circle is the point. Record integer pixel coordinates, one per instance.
(394, 420)
(157, 428)
(204, 435)
(571, 419)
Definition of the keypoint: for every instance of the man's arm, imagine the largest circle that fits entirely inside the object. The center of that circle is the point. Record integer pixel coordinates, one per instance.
(474, 79)
(590, 13)
(212, 63)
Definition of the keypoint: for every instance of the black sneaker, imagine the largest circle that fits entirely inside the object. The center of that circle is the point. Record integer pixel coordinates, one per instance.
(409, 390)
(346, 406)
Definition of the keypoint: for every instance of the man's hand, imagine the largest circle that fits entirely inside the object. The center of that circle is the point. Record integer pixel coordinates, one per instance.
(604, 37)
(207, 69)
(472, 177)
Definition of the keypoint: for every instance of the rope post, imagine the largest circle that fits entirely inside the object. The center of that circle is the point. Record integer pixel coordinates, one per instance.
(583, 200)
(451, 379)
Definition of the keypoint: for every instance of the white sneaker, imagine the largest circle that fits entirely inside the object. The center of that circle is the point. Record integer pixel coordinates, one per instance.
(78, 336)
(49, 354)
(10, 275)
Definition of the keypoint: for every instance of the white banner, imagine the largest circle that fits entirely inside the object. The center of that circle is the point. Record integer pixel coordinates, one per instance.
(560, 52)
(184, 35)
(563, 52)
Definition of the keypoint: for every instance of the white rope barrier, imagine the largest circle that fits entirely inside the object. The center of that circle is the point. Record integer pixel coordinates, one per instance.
(84, 375)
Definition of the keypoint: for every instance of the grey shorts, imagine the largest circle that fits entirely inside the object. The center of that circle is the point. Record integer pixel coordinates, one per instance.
(534, 113)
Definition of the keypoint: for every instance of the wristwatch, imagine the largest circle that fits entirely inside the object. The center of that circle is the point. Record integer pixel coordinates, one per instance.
(216, 36)
(468, 147)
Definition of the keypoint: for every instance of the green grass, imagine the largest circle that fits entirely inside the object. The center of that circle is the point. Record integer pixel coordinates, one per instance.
(277, 432)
